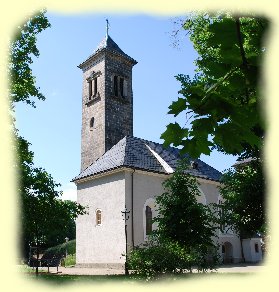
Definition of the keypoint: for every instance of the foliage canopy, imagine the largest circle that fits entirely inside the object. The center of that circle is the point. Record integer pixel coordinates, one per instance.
(243, 191)
(222, 102)
(46, 219)
(185, 234)
(181, 218)
(23, 48)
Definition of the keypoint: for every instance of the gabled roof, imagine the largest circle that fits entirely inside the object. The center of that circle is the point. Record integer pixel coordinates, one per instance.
(244, 162)
(109, 44)
(136, 153)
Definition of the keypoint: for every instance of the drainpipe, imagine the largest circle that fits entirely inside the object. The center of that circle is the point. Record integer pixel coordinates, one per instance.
(132, 202)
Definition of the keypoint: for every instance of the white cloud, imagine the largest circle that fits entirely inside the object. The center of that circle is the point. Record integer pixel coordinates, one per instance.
(69, 192)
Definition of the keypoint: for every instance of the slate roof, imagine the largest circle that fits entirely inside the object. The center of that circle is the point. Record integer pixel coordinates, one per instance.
(132, 152)
(109, 44)
(244, 162)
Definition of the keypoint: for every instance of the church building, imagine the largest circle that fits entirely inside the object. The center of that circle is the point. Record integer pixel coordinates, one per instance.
(121, 173)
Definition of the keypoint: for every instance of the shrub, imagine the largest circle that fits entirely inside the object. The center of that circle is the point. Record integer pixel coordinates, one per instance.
(70, 260)
(159, 257)
(60, 249)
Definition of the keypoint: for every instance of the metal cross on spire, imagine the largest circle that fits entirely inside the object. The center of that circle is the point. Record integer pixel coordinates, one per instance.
(107, 28)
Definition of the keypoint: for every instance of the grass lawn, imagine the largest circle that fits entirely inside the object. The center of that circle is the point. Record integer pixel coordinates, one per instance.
(103, 279)
(58, 279)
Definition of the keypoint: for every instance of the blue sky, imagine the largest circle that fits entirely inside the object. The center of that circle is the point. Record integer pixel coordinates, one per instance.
(54, 126)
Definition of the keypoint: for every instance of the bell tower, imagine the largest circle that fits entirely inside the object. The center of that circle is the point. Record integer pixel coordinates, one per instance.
(107, 100)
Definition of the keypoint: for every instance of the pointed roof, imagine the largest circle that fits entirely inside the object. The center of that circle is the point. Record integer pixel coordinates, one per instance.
(136, 153)
(108, 44)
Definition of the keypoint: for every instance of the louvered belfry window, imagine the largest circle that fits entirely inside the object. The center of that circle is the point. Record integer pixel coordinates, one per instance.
(122, 87)
(95, 86)
(98, 217)
(90, 89)
(148, 215)
(115, 85)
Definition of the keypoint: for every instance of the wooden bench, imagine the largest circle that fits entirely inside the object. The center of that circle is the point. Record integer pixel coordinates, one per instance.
(54, 261)
(47, 261)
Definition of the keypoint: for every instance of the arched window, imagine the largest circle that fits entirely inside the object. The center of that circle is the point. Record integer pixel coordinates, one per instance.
(98, 217)
(148, 221)
(201, 198)
(92, 123)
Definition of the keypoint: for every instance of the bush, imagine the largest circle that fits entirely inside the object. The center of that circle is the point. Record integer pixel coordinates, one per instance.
(70, 260)
(60, 249)
(167, 257)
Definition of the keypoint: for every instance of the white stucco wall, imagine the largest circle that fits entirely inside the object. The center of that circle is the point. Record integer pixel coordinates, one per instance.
(210, 190)
(146, 186)
(249, 250)
(236, 246)
(102, 244)
(105, 244)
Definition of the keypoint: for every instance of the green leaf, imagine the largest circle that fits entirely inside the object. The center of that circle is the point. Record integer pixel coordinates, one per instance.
(202, 126)
(217, 69)
(177, 106)
(224, 90)
(174, 134)
(223, 32)
(196, 146)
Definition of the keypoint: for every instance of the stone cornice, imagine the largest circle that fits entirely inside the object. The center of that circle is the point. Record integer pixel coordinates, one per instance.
(104, 51)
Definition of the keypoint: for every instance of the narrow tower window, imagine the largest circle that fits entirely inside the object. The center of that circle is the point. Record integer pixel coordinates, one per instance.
(92, 123)
(121, 87)
(90, 88)
(148, 216)
(98, 217)
(115, 85)
(125, 88)
(95, 86)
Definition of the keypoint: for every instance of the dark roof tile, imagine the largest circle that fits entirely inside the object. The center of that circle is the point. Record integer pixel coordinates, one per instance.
(137, 153)
(109, 44)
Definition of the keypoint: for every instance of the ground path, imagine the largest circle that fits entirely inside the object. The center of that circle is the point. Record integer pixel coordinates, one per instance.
(234, 268)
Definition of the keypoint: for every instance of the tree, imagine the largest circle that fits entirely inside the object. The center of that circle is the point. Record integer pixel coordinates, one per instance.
(46, 219)
(185, 234)
(222, 102)
(180, 217)
(23, 48)
(243, 191)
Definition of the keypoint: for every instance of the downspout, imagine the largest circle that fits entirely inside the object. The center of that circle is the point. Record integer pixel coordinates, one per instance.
(132, 203)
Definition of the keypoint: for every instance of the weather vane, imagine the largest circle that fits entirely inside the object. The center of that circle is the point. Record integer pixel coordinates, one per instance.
(107, 27)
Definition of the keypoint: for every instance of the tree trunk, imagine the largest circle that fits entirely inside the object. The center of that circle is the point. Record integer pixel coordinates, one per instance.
(37, 253)
(242, 252)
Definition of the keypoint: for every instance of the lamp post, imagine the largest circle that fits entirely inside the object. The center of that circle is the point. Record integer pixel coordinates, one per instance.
(66, 240)
(66, 250)
(126, 217)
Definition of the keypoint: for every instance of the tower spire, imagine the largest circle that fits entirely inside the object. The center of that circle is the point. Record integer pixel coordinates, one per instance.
(107, 28)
